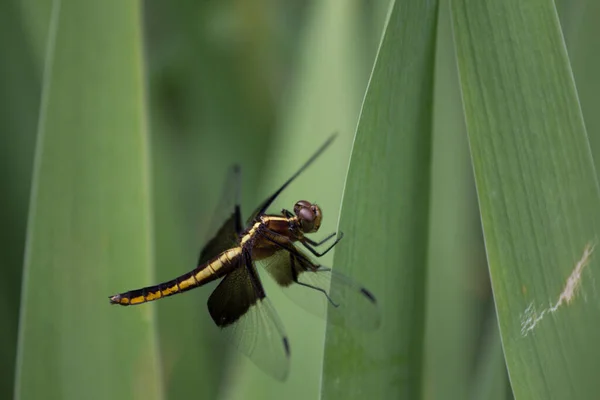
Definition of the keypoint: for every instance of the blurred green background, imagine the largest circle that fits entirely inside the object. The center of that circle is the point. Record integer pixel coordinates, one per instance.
(204, 84)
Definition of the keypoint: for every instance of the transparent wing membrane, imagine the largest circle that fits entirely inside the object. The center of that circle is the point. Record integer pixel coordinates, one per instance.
(322, 291)
(265, 204)
(244, 314)
(226, 220)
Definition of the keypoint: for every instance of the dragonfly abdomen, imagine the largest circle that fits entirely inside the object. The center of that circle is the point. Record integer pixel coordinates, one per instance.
(214, 269)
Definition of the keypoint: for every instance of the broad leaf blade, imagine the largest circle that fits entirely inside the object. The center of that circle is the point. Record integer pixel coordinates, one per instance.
(385, 212)
(537, 191)
(89, 231)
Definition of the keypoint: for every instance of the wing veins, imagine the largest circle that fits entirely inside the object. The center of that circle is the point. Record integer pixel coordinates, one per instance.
(352, 304)
(267, 203)
(239, 306)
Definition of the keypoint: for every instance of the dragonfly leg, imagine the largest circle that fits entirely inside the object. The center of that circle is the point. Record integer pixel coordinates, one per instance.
(326, 239)
(295, 278)
(309, 246)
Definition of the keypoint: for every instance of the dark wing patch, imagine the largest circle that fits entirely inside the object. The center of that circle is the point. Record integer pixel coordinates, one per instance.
(245, 315)
(233, 297)
(280, 268)
(224, 239)
(335, 297)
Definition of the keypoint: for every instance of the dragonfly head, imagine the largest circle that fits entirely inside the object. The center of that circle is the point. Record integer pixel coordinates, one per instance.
(309, 216)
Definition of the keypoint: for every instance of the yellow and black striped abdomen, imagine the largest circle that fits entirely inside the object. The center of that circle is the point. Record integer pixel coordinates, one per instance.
(214, 269)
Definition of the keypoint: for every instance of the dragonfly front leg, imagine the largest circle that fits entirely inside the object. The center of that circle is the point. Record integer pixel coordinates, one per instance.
(326, 239)
(308, 244)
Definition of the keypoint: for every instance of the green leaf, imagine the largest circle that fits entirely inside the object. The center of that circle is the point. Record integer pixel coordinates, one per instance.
(457, 285)
(490, 380)
(89, 231)
(581, 30)
(537, 191)
(385, 215)
(19, 98)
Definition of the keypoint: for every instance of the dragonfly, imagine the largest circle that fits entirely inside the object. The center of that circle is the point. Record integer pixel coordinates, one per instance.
(239, 305)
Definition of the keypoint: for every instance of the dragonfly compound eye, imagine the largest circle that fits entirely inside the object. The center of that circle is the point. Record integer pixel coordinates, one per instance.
(309, 216)
(300, 205)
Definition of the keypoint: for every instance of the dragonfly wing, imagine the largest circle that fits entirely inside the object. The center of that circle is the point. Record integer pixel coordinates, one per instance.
(228, 210)
(245, 315)
(267, 203)
(335, 297)
(224, 239)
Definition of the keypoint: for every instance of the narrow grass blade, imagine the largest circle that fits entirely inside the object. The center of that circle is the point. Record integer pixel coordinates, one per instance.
(538, 193)
(457, 283)
(35, 19)
(19, 100)
(490, 380)
(89, 231)
(385, 213)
